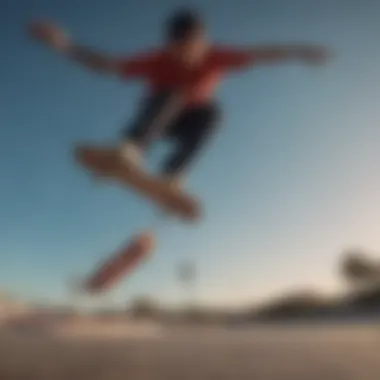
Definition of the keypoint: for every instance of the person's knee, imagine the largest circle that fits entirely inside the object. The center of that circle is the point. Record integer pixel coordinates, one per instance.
(209, 118)
(132, 133)
(148, 116)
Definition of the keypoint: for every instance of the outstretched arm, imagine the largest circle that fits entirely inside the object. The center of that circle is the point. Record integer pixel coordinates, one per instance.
(307, 53)
(93, 60)
(55, 38)
(241, 57)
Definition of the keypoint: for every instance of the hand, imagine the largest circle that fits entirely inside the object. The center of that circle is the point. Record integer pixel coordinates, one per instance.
(50, 34)
(313, 55)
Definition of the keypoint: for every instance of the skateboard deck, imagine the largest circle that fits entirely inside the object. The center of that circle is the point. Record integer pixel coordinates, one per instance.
(121, 263)
(105, 162)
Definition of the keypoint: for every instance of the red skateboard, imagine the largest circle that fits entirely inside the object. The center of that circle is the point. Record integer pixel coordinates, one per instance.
(121, 263)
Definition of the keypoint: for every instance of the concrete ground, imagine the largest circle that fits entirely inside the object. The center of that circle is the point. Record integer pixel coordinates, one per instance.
(259, 353)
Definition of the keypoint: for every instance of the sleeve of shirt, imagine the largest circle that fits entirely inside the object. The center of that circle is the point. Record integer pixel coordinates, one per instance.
(138, 66)
(232, 58)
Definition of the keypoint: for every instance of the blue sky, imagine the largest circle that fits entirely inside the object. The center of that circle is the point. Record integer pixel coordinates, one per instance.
(291, 180)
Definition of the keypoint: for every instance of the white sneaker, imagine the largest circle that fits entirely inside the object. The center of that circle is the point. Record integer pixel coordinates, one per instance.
(176, 181)
(131, 154)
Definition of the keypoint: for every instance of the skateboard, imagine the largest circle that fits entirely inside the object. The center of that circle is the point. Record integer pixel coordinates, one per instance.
(105, 163)
(120, 264)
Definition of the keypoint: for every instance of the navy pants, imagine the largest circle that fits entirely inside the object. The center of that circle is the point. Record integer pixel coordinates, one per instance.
(189, 128)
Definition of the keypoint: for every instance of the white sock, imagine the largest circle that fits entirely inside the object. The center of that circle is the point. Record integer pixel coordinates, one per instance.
(130, 153)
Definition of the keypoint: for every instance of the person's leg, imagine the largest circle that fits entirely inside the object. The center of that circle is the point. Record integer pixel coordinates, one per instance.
(156, 114)
(191, 131)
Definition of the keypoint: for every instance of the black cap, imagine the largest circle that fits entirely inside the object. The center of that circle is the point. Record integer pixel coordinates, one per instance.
(181, 24)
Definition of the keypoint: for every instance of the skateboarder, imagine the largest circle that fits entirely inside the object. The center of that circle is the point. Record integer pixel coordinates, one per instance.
(182, 76)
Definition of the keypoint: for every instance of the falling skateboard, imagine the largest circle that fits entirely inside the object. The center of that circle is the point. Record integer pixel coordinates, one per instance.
(122, 262)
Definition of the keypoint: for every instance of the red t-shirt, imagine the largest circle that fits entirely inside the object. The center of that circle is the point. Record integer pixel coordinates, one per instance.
(162, 72)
